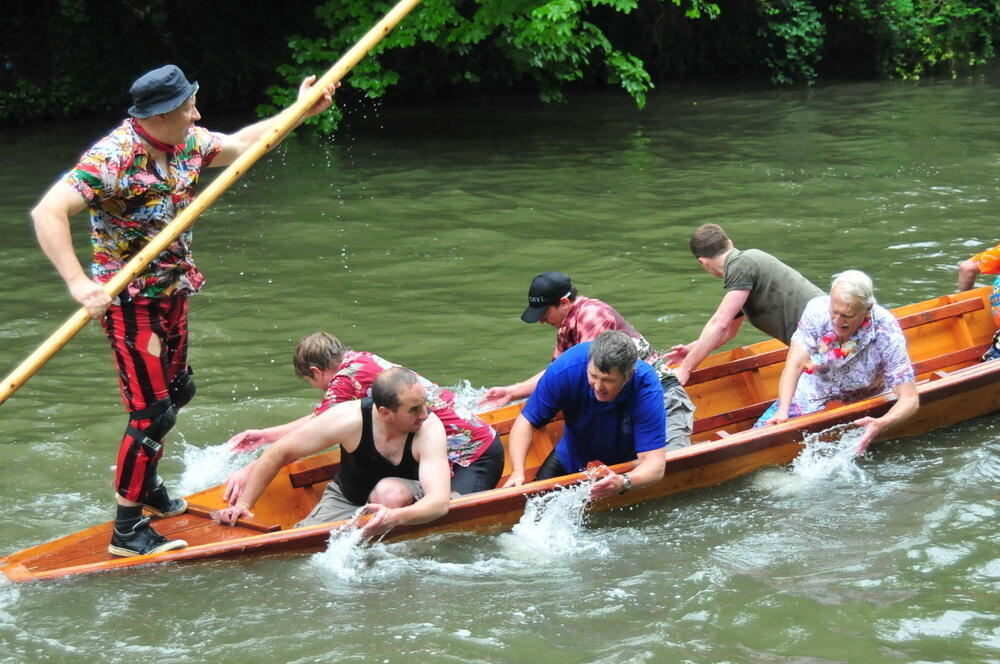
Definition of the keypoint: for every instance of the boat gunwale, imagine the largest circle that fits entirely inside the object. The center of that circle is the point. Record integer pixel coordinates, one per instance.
(937, 386)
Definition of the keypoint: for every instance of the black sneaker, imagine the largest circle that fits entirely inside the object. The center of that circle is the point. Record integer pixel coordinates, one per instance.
(140, 540)
(159, 504)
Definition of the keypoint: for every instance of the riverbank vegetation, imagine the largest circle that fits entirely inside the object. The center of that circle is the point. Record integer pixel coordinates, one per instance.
(71, 58)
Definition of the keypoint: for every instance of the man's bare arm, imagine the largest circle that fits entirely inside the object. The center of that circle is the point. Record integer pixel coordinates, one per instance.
(51, 219)
(719, 330)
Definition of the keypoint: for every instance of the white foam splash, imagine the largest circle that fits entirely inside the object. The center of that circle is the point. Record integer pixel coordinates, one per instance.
(467, 398)
(205, 467)
(10, 594)
(827, 458)
(552, 527)
(831, 454)
(346, 557)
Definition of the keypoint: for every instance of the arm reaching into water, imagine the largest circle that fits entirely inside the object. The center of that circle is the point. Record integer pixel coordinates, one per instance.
(907, 403)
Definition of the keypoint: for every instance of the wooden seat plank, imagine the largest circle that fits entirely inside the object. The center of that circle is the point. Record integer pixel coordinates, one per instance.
(954, 309)
(949, 359)
(719, 421)
(737, 366)
(310, 476)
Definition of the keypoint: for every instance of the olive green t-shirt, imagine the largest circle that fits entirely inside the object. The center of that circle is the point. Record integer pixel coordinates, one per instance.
(778, 294)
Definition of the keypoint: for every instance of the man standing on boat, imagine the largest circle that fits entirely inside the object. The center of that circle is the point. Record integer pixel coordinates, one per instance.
(758, 286)
(394, 459)
(475, 450)
(134, 181)
(612, 403)
(552, 299)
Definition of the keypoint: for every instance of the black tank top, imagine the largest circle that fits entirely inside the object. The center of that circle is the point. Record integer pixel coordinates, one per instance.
(362, 469)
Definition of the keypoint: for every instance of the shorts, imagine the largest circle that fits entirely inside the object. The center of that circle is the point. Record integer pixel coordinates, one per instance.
(334, 506)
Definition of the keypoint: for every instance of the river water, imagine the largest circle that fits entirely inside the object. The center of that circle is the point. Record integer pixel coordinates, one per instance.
(414, 234)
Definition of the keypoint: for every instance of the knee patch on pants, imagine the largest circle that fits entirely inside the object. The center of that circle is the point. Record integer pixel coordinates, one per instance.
(182, 389)
(153, 423)
(141, 448)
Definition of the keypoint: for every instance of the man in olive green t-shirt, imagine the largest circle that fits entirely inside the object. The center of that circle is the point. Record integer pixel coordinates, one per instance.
(758, 286)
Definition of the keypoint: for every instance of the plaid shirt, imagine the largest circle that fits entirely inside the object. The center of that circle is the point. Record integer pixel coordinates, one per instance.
(130, 202)
(589, 317)
(468, 437)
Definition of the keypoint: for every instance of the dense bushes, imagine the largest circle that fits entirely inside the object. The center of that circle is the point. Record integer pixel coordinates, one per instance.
(64, 58)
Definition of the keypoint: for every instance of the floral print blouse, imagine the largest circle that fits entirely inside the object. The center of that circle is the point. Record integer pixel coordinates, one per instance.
(873, 360)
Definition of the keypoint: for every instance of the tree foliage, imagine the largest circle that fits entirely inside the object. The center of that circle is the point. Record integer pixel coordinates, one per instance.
(474, 44)
(919, 37)
(67, 58)
(908, 38)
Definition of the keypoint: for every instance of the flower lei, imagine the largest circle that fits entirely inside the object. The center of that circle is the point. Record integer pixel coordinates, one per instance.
(831, 350)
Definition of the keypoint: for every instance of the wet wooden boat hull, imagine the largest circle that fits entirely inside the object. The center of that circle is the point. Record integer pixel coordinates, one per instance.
(945, 335)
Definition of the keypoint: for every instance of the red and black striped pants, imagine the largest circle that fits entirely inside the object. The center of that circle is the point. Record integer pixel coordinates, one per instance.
(149, 340)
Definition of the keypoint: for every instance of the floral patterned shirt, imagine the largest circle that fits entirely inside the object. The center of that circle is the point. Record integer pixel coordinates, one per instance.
(468, 436)
(130, 202)
(873, 360)
(589, 317)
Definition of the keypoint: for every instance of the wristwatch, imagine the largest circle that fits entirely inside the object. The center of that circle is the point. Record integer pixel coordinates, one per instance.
(628, 483)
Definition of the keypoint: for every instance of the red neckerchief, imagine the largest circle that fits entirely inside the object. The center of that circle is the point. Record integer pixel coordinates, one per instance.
(157, 144)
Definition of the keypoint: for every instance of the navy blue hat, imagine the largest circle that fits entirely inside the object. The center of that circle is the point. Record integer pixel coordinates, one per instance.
(546, 290)
(160, 91)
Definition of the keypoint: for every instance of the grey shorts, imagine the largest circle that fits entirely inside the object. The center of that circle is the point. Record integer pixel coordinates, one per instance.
(334, 506)
(680, 414)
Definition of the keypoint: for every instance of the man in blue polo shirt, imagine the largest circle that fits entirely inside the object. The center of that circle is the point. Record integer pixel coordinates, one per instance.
(612, 403)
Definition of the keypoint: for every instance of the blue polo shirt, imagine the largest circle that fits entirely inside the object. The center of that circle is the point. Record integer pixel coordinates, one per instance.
(612, 432)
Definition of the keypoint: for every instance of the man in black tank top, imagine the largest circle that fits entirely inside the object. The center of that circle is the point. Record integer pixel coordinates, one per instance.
(394, 459)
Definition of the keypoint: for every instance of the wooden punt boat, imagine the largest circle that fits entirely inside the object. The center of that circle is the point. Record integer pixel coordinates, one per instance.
(946, 337)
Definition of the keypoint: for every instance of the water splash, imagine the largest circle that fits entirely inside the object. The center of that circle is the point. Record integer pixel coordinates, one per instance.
(830, 455)
(346, 558)
(828, 458)
(10, 594)
(205, 467)
(552, 527)
(467, 398)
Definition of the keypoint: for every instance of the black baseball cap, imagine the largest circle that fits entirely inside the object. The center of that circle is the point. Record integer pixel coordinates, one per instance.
(160, 91)
(546, 290)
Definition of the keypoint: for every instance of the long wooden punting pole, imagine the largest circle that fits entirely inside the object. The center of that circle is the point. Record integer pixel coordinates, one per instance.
(287, 120)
